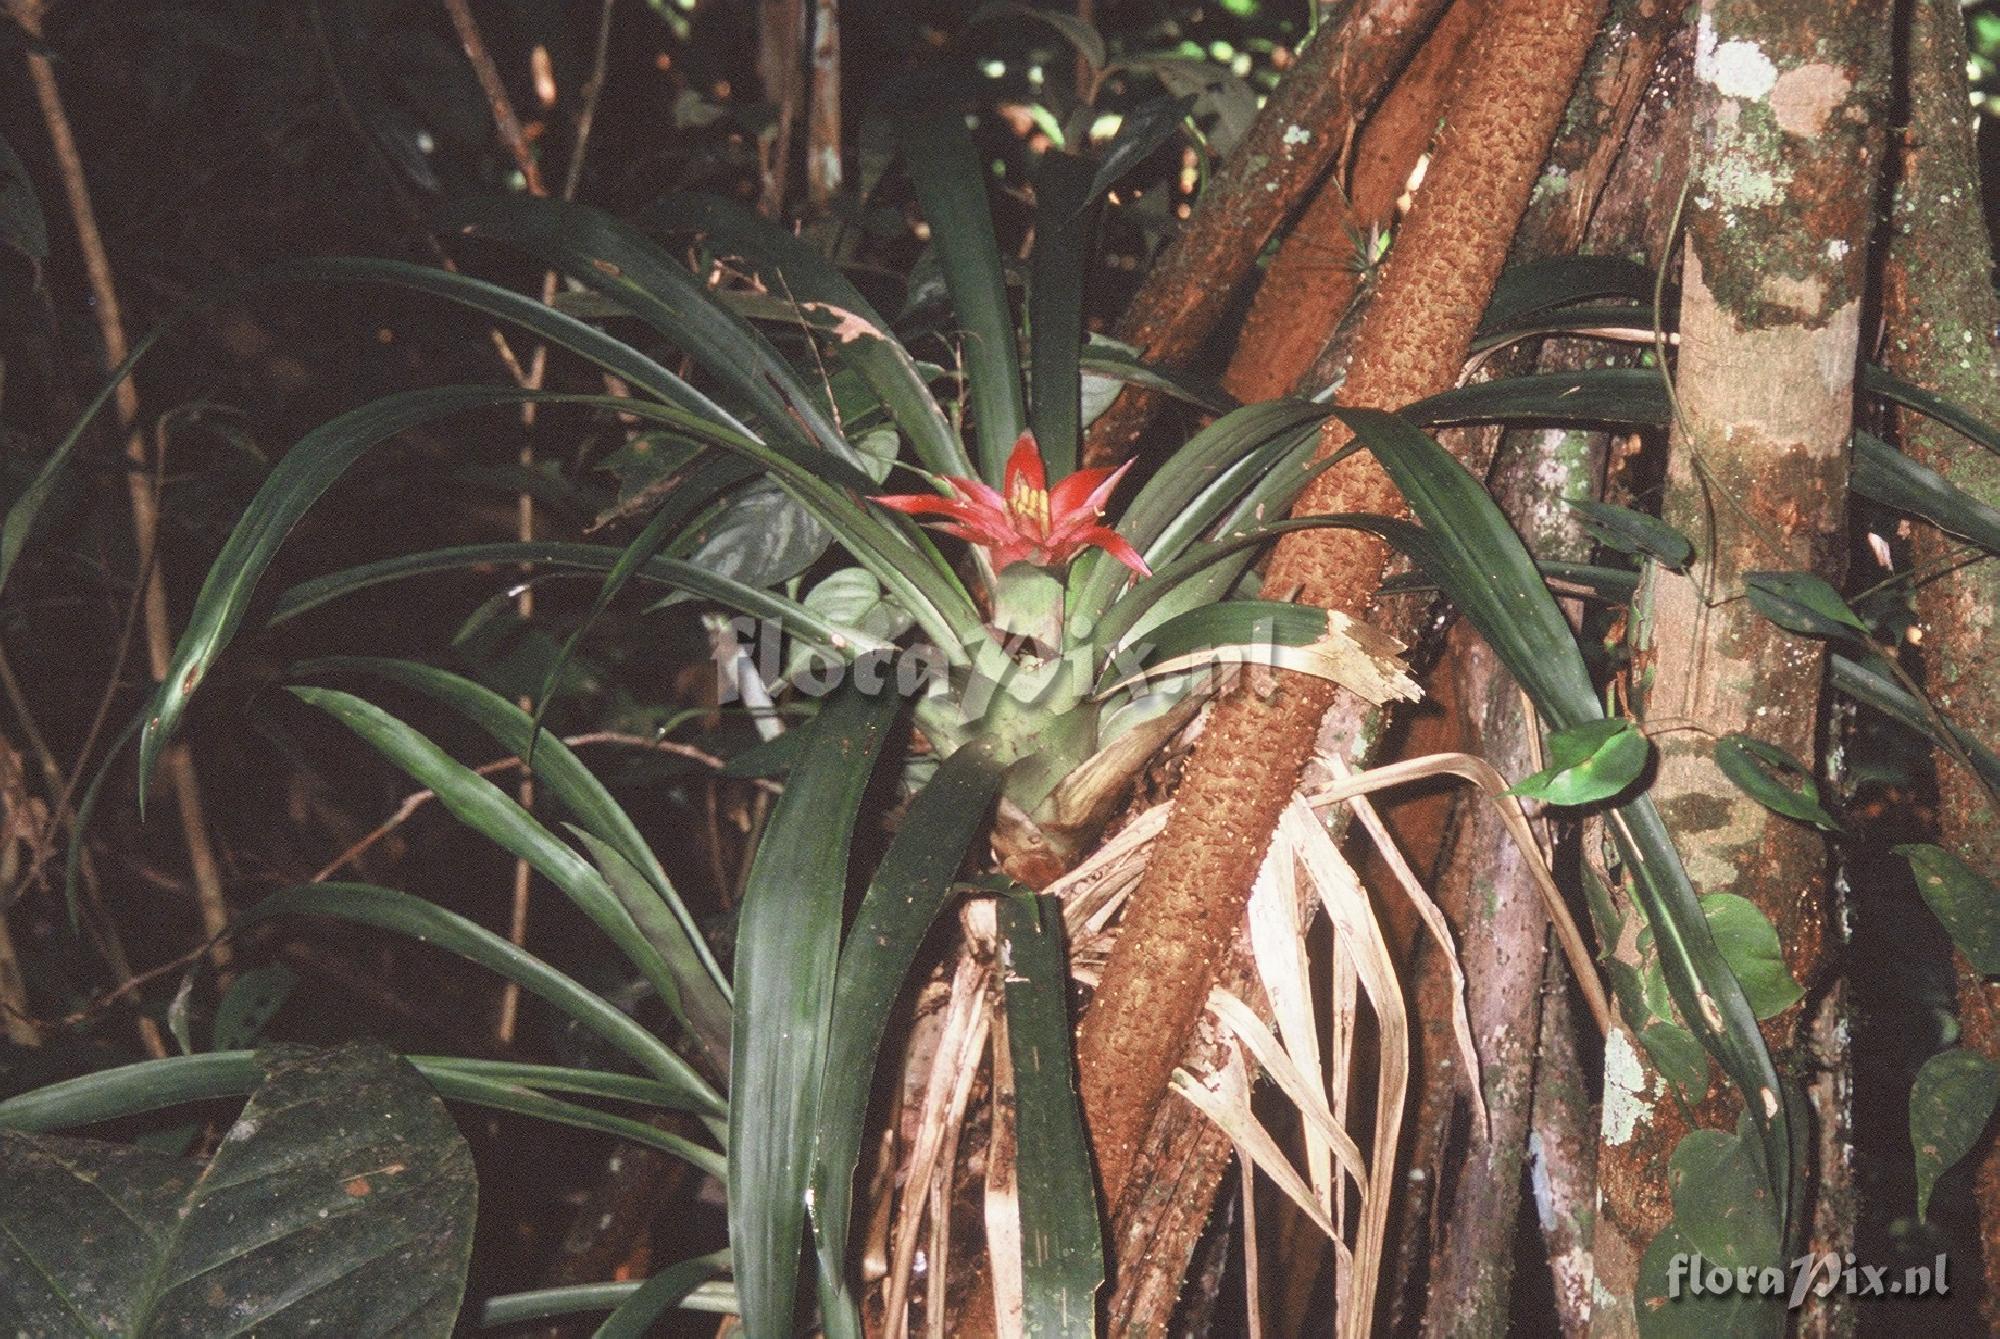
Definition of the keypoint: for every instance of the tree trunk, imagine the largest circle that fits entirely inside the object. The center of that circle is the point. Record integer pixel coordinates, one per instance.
(1185, 913)
(1942, 315)
(1298, 136)
(1782, 180)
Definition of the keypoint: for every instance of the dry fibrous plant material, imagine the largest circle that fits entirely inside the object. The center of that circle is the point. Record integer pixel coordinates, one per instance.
(1248, 763)
(1346, 1189)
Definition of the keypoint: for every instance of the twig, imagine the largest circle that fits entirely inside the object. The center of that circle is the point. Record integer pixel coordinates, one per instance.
(530, 378)
(178, 760)
(495, 89)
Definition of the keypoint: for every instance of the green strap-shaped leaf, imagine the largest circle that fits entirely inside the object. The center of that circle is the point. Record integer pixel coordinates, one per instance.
(1249, 449)
(787, 943)
(304, 473)
(1613, 395)
(1062, 1250)
(799, 620)
(951, 189)
(405, 914)
(700, 998)
(1868, 683)
(481, 1091)
(1064, 221)
(910, 887)
(491, 812)
(792, 269)
(682, 503)
(717, 1297)
(1885, 475)
(615, 258)
(1878, 381)
(1475, 556)
(154, 1085)
(1259, 626)
(910, 567)
(637, 1314)
(1535, 287)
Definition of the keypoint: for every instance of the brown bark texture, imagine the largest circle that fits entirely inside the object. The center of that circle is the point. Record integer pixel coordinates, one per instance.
(1249, 759)
(1316, 274)
(1783, 166)
(1942, 313)
(1300, 134)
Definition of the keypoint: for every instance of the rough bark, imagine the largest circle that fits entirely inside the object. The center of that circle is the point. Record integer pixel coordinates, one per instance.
(1942, 313)
(1299, 135)
(1316, 274)
(1502, 945)
(1782, 175)
(1186, 910)
(1562, 1149)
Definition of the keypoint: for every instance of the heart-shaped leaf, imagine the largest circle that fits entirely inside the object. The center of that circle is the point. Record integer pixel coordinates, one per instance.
(1750, 945)
(1950, 1103)
(1588, 762)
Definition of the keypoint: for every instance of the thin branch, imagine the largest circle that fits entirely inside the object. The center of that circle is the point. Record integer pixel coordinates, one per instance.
(508, 126)
(178, 762)
(490, 83)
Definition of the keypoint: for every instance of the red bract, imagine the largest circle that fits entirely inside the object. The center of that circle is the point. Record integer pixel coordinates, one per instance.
(1033, 523)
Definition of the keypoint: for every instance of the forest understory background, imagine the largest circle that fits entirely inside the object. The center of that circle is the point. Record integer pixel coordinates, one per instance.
(218, 136)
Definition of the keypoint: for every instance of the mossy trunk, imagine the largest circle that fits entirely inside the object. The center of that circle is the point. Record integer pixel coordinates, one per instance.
(1783, 167)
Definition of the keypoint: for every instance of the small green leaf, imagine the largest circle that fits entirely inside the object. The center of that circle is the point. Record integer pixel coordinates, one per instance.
(1722, 1203)
(1635, 532)
(1803, 603)
(1966, 901)
(1950, 1103)
(1750, 945)
(1758, 770)
(1588, 762)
